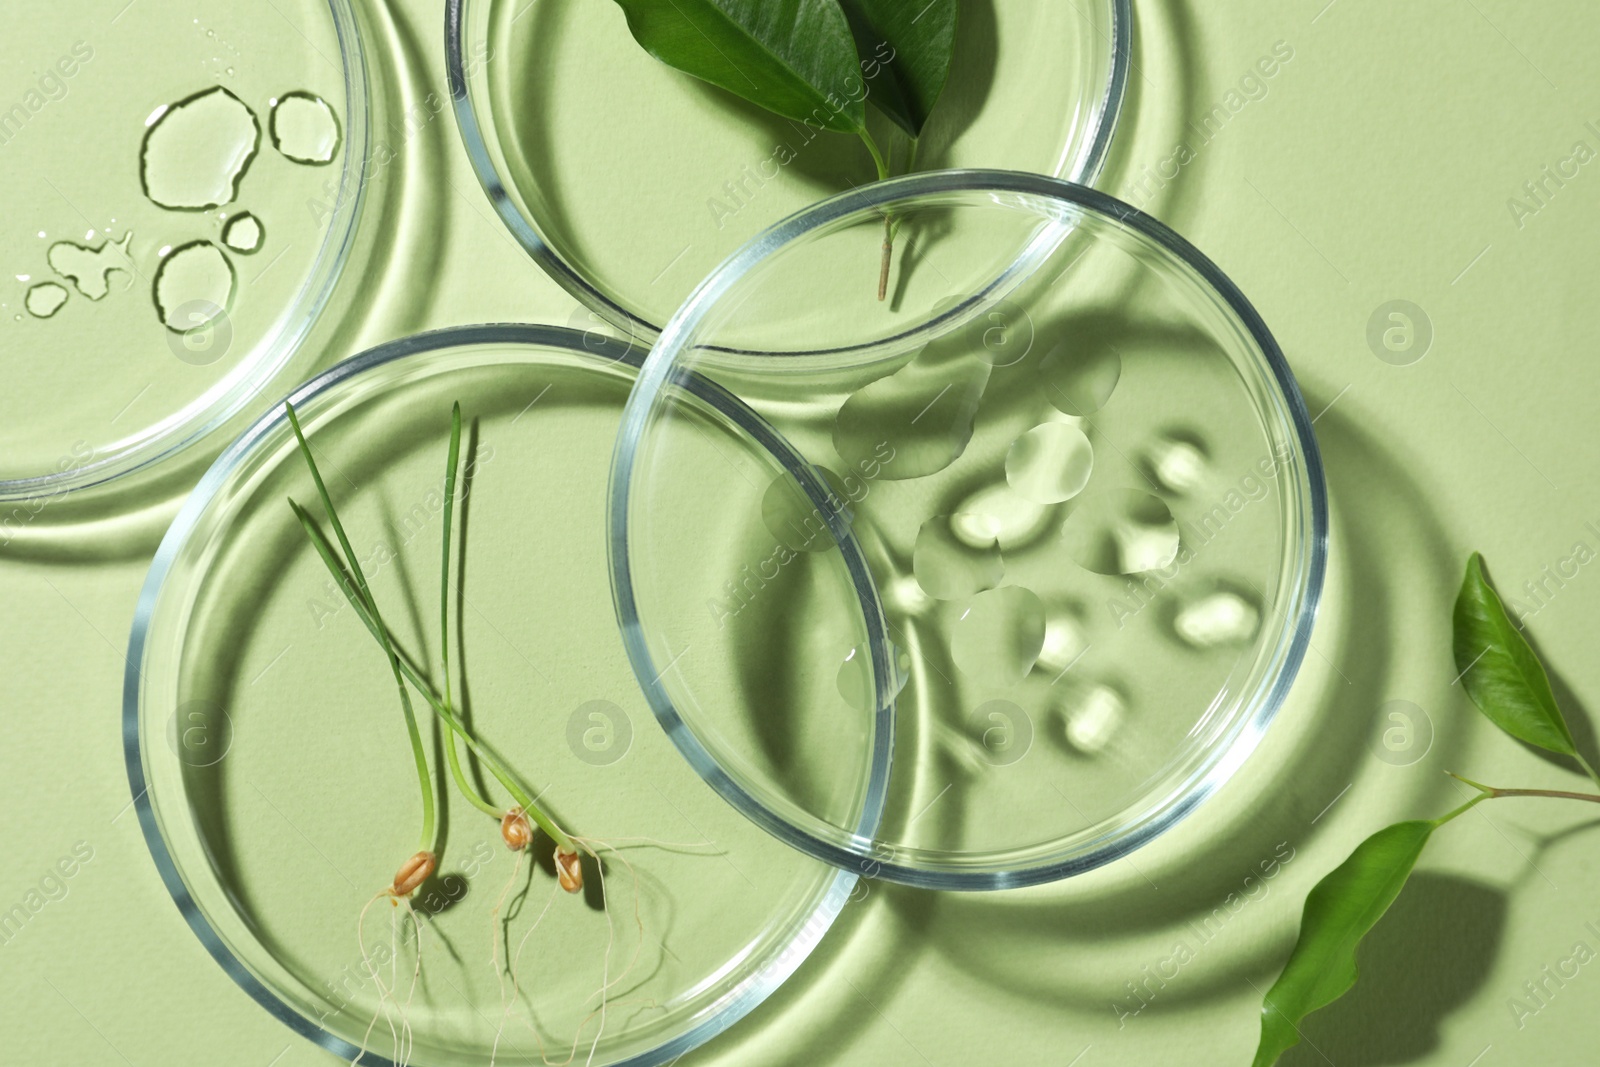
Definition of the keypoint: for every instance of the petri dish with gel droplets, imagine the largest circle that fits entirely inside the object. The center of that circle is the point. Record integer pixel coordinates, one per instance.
(184, 184)
(1046, 567)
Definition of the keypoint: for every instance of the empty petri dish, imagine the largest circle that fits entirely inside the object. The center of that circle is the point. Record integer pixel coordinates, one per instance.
(561, 111)
(269, 764)
(139, 311)
(1090, 507)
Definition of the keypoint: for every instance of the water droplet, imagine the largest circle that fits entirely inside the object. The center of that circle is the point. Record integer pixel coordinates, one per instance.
(916, 421)
(1079, 382)
(1176, 462)
(193, 286)
(1065, 642)
(998, 513)
(998, 637)
(855, 679)
(304, 128)
(243, 233)
(1121, 532)
(45, 299)
(1091, 716)
(198, 150)
(948, 568)
(1050, 463)
(1221, 617)
(89, 269)
(791, 517)
(24, 277)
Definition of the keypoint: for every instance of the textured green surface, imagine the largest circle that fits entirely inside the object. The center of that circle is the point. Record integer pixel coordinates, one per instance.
(1374, 165)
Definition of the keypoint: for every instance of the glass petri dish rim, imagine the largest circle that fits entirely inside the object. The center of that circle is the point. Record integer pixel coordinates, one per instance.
(861, 853)
(187, 427)
(733, 1006)
(1092, 162)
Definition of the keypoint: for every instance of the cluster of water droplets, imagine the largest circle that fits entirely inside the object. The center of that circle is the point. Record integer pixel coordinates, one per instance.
(194, 158)
(1001, 632)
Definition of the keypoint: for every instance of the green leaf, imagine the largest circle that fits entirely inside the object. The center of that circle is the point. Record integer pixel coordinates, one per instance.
(1340, 911)
(794, 58)
(905, 51)
(1500, 671)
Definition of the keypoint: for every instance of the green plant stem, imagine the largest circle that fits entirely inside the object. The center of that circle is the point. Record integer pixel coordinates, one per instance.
(424, 779)
(1462, 810)
(882, 163)
(483, 751)
(1489, 792)
(452, 753)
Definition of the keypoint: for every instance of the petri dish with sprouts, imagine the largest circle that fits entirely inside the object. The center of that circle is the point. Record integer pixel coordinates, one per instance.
(1084, 499)
(183, 182)
(269, 761)
(561, 111)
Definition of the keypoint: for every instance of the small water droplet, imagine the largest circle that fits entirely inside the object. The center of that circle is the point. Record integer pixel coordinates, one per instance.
(998, 513)
(949, 569)
(24, 277)
(1176, 462)
(916, 421)
(1065, 642)
(89, 269)
(1220, 617)
(197, 151)
(999, 636)
(304, 128)
(45, 299)
(243, 233)
(855, 679)
(1079, 382)
(1091, 716)
(1050, 463)
(193, 286)
(1121, 532)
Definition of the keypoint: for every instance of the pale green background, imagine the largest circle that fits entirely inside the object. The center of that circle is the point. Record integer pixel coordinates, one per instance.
(1377, 167)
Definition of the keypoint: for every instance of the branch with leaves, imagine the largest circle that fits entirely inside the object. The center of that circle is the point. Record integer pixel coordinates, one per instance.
(1504, 678)
(815, 61)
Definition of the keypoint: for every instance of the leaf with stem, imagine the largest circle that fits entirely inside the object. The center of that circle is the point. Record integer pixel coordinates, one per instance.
(342, 579)
(905, 51)
(1502, 673)
(1339, 912)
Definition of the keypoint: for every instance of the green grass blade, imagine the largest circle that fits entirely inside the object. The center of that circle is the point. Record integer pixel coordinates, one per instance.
(452, 752)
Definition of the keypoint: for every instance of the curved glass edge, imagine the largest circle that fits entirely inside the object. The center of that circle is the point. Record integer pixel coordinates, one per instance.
(734, 1006)
(1309, 522)
(1092, 162)
(228, 397)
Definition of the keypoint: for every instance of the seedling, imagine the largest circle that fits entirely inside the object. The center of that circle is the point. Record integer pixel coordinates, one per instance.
(516, 822)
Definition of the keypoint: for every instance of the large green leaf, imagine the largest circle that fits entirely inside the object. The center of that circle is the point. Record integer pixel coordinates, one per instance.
(1500, 671)
(905, 48)
(1340, 911)
(794, 58)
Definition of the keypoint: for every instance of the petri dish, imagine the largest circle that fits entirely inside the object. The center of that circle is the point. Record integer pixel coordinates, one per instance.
(184, 186)
(274, 784)
(561, 111)
(1090, 504)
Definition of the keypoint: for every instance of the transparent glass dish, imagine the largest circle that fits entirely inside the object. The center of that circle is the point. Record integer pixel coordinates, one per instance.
(183, 184)
(561, 111)
(1049, 566)
(269, 766)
